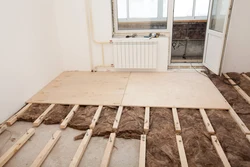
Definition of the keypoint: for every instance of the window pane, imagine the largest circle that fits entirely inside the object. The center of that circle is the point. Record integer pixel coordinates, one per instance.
(201, 7)
(219, 11)
(165, 8)
(183, 8)
(122, 8)
(143, 8)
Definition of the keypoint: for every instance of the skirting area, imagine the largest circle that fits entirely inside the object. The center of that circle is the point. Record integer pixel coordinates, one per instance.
(173, 89)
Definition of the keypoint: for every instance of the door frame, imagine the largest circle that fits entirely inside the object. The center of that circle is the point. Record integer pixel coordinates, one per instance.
(216, 33)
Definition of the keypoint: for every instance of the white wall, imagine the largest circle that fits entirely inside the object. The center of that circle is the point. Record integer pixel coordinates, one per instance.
(29, 51)
(72, 34)
(237, 52)
(75, 34)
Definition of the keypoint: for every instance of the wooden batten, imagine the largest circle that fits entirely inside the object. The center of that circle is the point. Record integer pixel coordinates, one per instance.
(65, 122)
(46, 150)
(108, 150)
(142, 158)
(247, 77)
(220, 151)
(81, 149)
(146, 120)
(240, 123)
(13, 119)
(238, 89)
(3, 128)
(117, 118)
(40, 119)
(207, 122)
(176, 120)
(96, 117)
(248, 137)
(17, 146)
(181, 151)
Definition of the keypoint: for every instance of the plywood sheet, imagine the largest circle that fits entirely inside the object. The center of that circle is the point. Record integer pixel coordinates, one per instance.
(170, 89)
(173, 89)
(102, 88)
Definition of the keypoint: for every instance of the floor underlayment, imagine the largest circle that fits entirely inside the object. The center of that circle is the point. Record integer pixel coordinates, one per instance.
(172, 89)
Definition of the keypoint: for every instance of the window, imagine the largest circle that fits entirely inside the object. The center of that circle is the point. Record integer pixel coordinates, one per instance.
(141, 14)
(191, 9)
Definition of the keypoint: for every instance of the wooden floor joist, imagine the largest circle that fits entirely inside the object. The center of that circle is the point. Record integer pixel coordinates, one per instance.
(3, 128)
(176, 120)
(238, 89)
(240, 123)
(14, 149)
(65, 122)
(181, 151)
(108, 150)
(117, 118)
(248, 137)
(207, 122)
(247, 77)
(46, 150)
(142, 158)
(146, 120)
(40, 119)
(96, 117)
(81, 149)
(220, 151)
(13, 119)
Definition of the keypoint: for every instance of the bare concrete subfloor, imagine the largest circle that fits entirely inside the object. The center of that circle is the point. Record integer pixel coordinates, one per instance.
(125, 152)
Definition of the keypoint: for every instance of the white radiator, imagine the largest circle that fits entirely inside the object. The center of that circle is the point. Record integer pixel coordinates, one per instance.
(141, 54)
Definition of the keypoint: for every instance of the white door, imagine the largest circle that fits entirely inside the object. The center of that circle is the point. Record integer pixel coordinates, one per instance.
(219, 12)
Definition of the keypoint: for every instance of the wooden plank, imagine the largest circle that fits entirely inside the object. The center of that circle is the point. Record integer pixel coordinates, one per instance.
(207, 122)
(40, 119)
(146, 120)
(14, 149)
(142, 158)
(96, 117)
(117, 118)
(13, 119)
(247, 77)
(46, 150)
(108, 150)
(240, 123)
(181, 150)
(248, 137)
(176, 120)
(65, 122)
(81, 149)
(238, 89)
(220, 151)
(3, 128)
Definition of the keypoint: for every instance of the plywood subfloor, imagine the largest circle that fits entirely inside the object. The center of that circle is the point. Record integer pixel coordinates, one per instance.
(172, 89)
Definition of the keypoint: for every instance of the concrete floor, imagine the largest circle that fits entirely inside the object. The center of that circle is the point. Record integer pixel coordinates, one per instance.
(125, 152)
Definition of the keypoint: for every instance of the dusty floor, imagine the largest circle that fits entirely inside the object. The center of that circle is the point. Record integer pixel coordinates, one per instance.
(66, 147)
(241, 107)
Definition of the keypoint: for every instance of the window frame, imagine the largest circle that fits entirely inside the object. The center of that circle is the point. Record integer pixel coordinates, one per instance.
(160, 13)
(193, 17)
